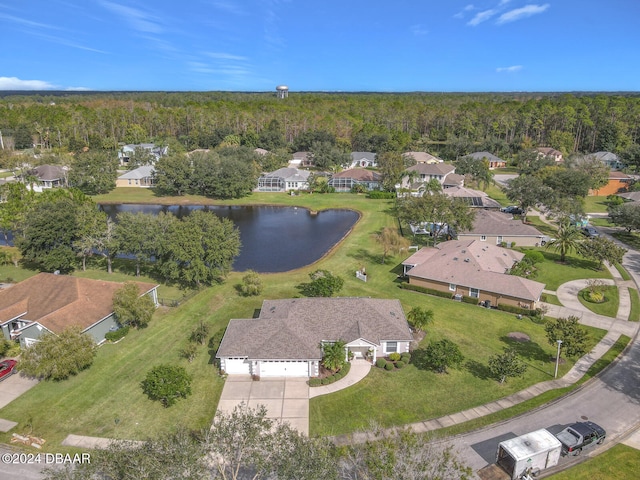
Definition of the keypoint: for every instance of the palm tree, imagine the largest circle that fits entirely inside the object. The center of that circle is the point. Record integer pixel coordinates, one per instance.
(568, 240)
(333, 355)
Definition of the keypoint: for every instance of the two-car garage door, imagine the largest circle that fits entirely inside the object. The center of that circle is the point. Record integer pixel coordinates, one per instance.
(283, 368)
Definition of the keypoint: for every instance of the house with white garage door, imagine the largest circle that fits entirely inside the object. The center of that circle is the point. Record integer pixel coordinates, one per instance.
(287, 337)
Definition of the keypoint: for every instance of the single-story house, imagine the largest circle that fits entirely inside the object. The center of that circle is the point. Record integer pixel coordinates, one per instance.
(610, 159)
(550, 152)
(48, 176)
(423, 157)
(284, 179)
(139, 177)
(347, 179)
(618, 182)
(475, 269)
(363, 160)
(286, 339)
(494, 162)
(475, 198)
(51, 303)
(495, 227)
(155, 152)
(302, 159)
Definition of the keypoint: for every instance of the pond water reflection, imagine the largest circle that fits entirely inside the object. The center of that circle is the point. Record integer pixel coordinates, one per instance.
(274, 239)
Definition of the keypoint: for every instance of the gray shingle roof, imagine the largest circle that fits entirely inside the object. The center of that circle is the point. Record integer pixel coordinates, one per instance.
(48, 173)
(488, 222)
(292, 329)
(482, 155)
(138, 173)
(476, 198)
(473, 264)
(432, 168)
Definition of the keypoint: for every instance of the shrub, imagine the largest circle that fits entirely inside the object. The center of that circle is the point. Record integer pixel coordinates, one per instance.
(167, 383)
(345, 369)
(516, 310)
(199, 334)
(400, 364)
(5, 346)
(315, 382)
(388, 366)
(381, 362)
(534, 256)
(214, 341)
(406, 357)
(117, 334)
(338, 376)
(251, 284)
(394, 357)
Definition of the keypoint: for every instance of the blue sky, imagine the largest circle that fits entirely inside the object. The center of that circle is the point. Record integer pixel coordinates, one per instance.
(321, 45)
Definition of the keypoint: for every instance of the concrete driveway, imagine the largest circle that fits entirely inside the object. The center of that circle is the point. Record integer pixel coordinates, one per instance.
(14, 386)
(286, 399)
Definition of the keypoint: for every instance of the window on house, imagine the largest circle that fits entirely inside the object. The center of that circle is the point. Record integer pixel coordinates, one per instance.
(391, 347)
(474, 293)
(452, 287)
(483, 238)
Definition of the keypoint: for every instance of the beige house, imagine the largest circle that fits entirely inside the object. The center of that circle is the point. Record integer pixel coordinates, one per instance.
(139, 177)
(494, 228)
(474, 269)
(550, 152)
(423, 157)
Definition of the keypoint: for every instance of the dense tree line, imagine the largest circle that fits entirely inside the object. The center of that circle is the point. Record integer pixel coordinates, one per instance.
(61, 228)
(449, 125)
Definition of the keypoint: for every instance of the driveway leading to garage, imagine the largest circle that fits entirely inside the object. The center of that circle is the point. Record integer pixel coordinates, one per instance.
(286, 399)
(14, 386)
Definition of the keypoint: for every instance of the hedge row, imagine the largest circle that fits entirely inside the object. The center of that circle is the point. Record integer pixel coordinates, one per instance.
(405, 358)
(316, 382)
(430, 291)
(517, 310)
(381, 194)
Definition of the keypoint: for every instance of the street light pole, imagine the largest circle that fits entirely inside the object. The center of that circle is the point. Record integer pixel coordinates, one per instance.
(555, 375)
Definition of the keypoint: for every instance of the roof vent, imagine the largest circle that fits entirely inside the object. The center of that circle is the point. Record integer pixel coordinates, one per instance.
(466, 260)
(463, 251)
(455, 258)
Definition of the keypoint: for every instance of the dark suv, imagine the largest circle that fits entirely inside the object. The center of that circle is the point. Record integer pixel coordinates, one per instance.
(580, 435)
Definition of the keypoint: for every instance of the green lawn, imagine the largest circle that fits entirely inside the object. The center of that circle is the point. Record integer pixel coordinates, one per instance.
(608, 308)
(552, 299)
(617, 463)
(593, 204)
(630, 238)
(623, 272)
(106, 400)
(553, 273)
(634, 315)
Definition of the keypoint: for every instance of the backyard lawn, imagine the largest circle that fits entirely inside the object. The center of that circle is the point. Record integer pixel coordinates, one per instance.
(106, 400)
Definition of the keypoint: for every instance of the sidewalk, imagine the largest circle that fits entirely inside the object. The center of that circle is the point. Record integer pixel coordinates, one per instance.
(359, 369)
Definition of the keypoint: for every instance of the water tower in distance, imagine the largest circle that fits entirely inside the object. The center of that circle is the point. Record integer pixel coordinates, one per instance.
(282, 91)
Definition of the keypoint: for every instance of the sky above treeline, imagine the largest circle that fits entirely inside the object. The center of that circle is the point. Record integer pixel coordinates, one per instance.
(321, 45)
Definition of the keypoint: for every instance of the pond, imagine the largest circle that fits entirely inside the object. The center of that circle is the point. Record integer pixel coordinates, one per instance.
(274, 239)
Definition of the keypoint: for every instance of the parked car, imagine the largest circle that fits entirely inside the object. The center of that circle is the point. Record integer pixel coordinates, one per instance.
(512, 209)
(580, 435)
(590, 232)
(7, 368)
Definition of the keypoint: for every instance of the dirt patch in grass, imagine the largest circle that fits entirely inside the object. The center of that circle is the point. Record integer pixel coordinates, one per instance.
(519, 336)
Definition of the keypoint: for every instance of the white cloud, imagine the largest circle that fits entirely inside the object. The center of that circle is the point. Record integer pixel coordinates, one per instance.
(137, 19)
(225, 56)
(511, 69)
(229, 8)
(520, 13)
(25, 22)
(462, 12)
(418, 30)
(14, 83)
(482, 17)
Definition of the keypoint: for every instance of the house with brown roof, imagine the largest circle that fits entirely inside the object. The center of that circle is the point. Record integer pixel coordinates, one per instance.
(556, 155)
(495, 228)
(347, 179)
(51, 303)
(286, 339)
(618, 183)
(474, 269)
(490, 158)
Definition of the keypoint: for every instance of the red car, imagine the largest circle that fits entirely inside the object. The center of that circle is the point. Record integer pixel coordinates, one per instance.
(7, 367)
